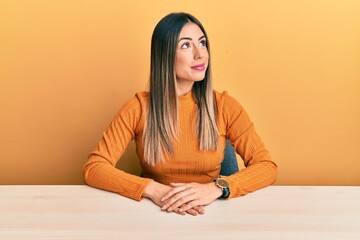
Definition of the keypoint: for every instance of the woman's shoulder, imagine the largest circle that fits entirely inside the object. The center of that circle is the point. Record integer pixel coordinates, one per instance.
(220, 95)
(136, 103)
(223, 99)
(229, 108)
(140, 97)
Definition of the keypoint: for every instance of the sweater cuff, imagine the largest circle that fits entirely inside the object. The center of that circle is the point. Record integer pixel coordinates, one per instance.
(138, 194)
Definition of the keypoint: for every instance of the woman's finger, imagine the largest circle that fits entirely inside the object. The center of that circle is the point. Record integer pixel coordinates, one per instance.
(178, 200)
(188, 205)
(193, 211)
(199, 209)
(177, 184)
(173, 192)
(180, 213)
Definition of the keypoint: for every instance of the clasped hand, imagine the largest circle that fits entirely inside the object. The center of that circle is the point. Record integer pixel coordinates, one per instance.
(183, 198)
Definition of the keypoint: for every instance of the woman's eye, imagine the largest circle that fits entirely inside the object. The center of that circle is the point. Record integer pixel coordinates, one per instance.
(185, 46)
(203, 43)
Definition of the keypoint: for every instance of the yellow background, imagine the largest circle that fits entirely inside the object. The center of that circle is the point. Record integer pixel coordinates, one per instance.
(67, 66)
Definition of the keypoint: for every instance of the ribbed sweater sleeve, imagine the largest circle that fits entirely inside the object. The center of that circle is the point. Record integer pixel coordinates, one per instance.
(99, 171)
(260, 169)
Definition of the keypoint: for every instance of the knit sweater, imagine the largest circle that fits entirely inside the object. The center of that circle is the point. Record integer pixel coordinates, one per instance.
(187, 163)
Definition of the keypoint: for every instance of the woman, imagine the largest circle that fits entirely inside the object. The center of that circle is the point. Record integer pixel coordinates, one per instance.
(180, 128)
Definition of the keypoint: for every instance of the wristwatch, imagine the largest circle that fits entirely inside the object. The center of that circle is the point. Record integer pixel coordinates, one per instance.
(224, 185)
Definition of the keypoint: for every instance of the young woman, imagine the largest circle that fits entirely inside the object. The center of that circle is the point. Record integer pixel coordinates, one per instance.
(180, 128)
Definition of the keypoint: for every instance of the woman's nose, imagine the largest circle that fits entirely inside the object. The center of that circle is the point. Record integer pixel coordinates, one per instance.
(198, 54)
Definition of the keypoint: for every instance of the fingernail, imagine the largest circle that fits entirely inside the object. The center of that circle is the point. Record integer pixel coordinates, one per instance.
(181, 210)
(163, 207)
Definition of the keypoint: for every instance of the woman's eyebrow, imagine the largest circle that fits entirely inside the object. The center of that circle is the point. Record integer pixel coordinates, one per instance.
(189, 38)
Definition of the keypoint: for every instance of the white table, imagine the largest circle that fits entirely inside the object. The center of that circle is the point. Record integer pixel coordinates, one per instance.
(82, 212)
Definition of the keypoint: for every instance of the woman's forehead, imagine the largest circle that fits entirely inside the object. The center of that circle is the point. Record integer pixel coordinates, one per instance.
(191, 30)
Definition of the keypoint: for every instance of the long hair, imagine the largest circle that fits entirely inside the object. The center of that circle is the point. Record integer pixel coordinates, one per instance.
(161, 127)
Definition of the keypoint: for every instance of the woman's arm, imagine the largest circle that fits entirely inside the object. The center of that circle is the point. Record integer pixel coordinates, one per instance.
(260, 169)
(100, 171)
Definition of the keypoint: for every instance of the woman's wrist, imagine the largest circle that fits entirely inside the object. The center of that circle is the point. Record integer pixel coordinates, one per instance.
(149, 189)
(217, 190)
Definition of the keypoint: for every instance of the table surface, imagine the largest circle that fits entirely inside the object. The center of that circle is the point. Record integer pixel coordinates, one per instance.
(82, 212)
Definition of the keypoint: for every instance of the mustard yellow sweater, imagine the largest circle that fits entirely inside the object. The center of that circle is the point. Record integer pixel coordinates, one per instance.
(188, 163)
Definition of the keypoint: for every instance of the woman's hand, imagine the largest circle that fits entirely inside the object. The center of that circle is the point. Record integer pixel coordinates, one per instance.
(185, 196)
(155, 191)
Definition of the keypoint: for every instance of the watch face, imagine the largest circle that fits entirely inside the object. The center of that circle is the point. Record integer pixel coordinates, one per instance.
(222, 182)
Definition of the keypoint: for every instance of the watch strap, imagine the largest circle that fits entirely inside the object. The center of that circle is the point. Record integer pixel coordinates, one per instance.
(226, 193)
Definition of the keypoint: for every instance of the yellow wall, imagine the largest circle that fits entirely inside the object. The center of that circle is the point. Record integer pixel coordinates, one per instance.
(67, 66)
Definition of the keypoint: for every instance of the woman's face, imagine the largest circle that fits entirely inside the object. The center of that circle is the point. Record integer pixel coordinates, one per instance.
(192, 57)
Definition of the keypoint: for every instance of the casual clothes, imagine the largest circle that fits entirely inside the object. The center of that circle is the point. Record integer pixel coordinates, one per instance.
(188, 163)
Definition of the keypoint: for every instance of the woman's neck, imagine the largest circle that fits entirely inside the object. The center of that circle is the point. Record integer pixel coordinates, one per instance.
(183, 89)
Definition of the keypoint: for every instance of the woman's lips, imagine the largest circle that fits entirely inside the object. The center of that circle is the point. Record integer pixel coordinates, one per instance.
(199, 67)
